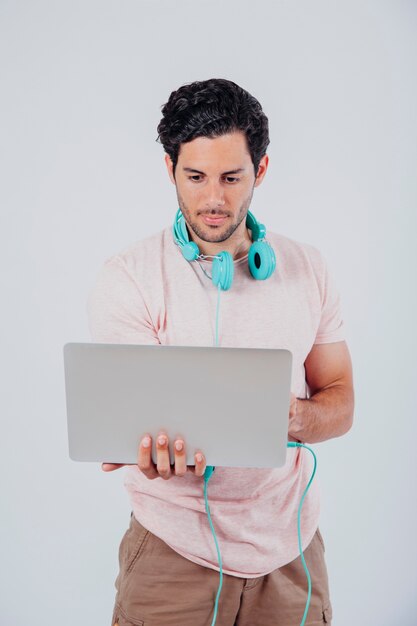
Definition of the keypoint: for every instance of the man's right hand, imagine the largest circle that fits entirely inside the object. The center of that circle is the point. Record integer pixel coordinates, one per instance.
(163, 468)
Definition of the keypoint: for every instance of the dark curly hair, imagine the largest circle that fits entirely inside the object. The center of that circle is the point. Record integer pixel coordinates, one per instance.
(211, 108)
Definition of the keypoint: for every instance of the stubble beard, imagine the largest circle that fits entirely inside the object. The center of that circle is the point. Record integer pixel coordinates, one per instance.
(214, 234)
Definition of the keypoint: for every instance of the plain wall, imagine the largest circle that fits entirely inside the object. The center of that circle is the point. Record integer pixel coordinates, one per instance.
(82, 85)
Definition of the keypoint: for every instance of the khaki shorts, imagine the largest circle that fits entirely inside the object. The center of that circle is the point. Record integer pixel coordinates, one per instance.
(158, 587)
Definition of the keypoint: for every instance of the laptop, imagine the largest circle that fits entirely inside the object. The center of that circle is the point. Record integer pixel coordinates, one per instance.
(230, 403)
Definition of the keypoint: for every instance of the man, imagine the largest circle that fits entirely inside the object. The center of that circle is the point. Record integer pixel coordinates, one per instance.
(215, 136)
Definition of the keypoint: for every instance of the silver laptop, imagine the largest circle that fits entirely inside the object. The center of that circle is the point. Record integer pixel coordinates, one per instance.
(230, 403)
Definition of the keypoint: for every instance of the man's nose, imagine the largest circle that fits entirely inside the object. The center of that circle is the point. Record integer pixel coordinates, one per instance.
(214, 196)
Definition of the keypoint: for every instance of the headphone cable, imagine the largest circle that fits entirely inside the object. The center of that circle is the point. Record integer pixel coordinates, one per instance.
(207, 475)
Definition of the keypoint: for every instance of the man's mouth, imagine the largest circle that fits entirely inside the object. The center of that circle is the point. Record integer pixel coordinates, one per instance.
(214, 219)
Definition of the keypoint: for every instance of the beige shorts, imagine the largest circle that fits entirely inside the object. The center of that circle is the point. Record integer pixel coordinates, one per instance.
(158, 587)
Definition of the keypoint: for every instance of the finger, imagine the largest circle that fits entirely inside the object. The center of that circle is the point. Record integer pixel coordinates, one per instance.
(145, 463)
(200, 464)
(163, 466)
(180, 458)
(110, 467)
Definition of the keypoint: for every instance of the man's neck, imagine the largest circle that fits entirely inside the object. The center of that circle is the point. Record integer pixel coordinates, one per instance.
(237, 246)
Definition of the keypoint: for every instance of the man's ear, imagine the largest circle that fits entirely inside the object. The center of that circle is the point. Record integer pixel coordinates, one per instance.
(263, 166)
(170, 167)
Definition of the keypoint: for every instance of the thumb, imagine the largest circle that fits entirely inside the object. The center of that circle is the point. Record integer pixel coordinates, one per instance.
(110, 467)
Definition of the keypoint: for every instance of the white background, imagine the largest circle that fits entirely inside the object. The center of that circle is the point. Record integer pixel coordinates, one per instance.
(82, 85)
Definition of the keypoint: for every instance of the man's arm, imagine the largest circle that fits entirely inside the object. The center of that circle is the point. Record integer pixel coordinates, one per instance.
(329, 410)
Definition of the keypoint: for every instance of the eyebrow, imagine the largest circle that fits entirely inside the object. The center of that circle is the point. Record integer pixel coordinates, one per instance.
(237, 171)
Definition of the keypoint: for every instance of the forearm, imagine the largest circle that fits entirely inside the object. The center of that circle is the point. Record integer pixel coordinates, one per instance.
(328, 413)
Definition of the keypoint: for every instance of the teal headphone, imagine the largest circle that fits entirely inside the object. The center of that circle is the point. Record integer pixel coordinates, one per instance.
(261, 257)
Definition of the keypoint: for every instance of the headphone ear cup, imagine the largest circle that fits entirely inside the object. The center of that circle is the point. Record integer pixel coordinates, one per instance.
(261, 260)
(190, 251)
(222, 271)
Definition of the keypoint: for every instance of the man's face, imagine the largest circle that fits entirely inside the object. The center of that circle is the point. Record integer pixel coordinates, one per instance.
(214, 180)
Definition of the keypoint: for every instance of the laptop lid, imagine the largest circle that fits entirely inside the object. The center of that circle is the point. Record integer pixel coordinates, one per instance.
(230, 403)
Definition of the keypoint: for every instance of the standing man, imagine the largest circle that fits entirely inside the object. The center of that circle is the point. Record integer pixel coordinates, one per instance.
(215, 137)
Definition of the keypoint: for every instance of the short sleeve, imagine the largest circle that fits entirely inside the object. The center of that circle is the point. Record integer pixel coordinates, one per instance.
(116, 310)
(331, 326)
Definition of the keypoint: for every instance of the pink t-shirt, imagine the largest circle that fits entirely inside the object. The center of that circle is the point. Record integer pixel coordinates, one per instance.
(150, 294)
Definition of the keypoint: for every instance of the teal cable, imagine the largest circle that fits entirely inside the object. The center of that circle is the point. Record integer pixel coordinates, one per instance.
(209, 471)
(216, 341)
(293, 444)
(207, 474)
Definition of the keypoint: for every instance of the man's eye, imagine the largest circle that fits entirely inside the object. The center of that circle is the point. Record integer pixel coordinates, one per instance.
(197, 179)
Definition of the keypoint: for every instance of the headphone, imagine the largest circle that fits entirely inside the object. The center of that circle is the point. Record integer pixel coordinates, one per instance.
(261, 257)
